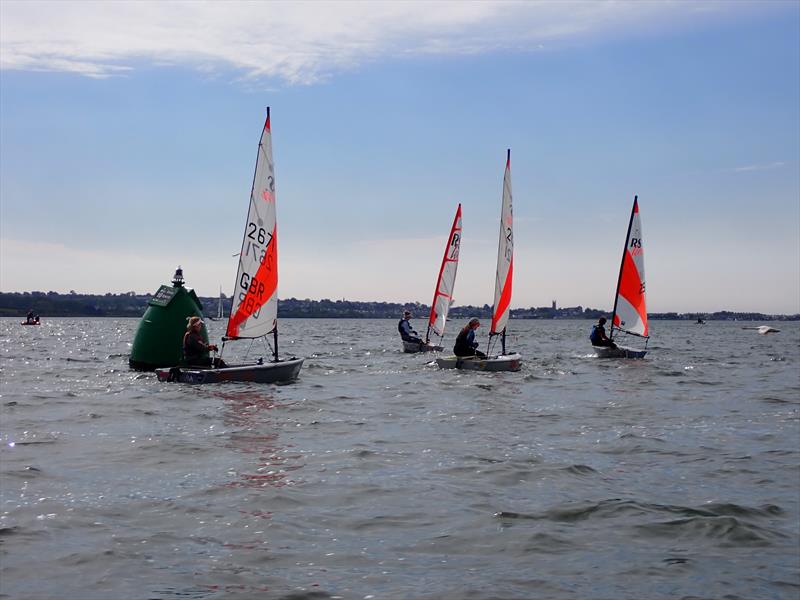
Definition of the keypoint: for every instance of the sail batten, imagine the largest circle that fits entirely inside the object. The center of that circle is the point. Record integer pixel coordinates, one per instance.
(630, 307)
(443, 294)
(254, 308)
(505, 257)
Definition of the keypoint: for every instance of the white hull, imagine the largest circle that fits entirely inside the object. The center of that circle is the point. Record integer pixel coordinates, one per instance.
(503, 362)
(619, 352)
(412, 347)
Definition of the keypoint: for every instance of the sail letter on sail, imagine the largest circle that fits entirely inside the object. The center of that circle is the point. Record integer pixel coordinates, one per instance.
(505, 257)
(255, 298)
(630, 311)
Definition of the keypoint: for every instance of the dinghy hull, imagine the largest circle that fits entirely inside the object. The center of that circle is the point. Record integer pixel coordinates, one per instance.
(619, 352)
(503, 362)
(282, 371)
(411, 347)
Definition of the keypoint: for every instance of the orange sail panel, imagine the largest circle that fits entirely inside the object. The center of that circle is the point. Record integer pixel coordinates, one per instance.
(443, 295)
(505, 301)
(259, 288)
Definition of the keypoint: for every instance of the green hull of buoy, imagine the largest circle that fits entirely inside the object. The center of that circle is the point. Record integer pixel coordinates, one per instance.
(159, 339)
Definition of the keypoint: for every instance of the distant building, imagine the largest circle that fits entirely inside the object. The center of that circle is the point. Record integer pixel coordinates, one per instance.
(554, 305)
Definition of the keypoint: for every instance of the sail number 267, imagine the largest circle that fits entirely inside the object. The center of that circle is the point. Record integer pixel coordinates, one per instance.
(257, 233)
(259, 247)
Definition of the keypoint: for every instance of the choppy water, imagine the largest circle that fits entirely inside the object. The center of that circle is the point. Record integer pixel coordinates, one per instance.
(378, 476)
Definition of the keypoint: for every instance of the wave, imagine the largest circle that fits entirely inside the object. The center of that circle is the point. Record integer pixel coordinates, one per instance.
(724, 530)
(724, 523)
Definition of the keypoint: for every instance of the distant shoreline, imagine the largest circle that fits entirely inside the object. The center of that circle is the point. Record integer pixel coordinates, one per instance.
(53, 304)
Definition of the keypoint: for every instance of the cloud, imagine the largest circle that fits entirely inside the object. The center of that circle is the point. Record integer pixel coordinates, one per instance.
(305, 42)
(763, 167)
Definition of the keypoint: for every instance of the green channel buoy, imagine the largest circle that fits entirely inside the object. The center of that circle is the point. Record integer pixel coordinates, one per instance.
(159, 339)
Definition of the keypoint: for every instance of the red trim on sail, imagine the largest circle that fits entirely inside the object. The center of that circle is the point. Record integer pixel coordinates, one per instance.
(505, 297)
(266, 124)
(630, 288)
(262, 287)
(445, 260)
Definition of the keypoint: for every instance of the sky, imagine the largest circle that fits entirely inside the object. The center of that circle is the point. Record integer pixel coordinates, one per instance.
(128, 137)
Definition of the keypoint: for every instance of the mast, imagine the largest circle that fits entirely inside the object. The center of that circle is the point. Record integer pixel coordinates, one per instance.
(621, 265)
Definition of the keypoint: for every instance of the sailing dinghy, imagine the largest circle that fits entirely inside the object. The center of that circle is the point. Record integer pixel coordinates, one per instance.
(254, 312)
(443, 295)
(630, 310)
(503, 361)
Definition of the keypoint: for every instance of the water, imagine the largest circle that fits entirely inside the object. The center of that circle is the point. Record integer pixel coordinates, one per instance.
(376, 475)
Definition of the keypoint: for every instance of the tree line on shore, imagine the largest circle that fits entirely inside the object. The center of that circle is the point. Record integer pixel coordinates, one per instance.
(131, 304)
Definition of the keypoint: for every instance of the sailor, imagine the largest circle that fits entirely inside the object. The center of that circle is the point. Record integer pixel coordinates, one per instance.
(31, 318)
(598, 336)
(195, 350)
(406, 331)
(465, 341)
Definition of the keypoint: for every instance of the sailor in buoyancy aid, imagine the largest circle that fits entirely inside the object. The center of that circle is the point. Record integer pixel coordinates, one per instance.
(406, 331)
(465, 341)
(598, 335)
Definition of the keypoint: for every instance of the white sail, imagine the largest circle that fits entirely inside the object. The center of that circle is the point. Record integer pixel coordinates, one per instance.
(220, 310)
(505, 257)
(443, 296)
(630, 310)
(255, 298)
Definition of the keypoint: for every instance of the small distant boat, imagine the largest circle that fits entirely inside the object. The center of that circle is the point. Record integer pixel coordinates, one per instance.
(254, 313)
(31, 320)
(502, 296)
(700, 322)
(443, 295)
(220, 309)
(630, 311)
(220, 312)
(763, 329)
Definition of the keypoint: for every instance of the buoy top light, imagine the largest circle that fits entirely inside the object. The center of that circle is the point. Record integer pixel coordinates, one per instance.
(177, 280)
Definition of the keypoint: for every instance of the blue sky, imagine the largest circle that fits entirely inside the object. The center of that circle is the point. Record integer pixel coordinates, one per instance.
(128, 134)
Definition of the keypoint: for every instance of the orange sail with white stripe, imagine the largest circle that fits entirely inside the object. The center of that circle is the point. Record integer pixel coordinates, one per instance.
(505, 258)
(630, 309)
(254, 310)
(443, 296)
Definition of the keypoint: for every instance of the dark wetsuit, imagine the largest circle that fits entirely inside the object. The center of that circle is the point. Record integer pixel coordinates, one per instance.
(598, 337)
(466, 345)
(195, 350)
